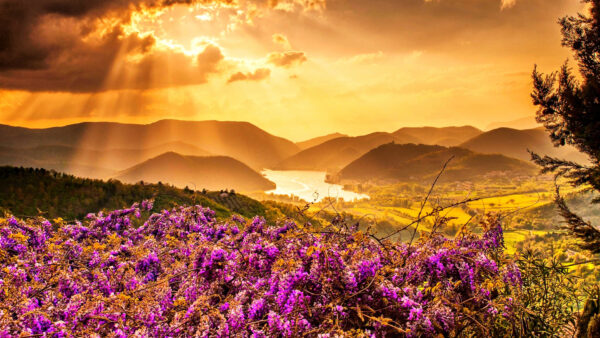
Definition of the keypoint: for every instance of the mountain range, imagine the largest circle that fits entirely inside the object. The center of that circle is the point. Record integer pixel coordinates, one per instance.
(318, 140)
(236, 151)
(105, 161)
(334, 154)
(241, 140)
(522, 123)
(411, 162)
(447, 136)
(516, 143)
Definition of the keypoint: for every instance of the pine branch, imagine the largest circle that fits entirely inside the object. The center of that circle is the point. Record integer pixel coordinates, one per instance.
(578, 227)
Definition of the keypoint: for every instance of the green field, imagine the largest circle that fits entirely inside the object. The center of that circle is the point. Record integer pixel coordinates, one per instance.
(512, 202)
(514, 236)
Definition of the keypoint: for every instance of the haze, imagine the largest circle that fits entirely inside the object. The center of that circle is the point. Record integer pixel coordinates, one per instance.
(296, 68)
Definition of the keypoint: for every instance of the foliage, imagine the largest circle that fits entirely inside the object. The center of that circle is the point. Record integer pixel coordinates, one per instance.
(569, 108)
(589, 321)
(183, 273)
(31, 192)
(549, 294)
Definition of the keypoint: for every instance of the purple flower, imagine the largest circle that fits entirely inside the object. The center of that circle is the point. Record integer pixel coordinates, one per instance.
(185, 273)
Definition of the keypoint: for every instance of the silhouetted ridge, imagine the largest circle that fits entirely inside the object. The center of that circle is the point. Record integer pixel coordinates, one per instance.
(88, 162)
(444, 136)
(212, 173)
(515, 143)
(240, 140)
(409, 162)
(318, 140)
(337, 153)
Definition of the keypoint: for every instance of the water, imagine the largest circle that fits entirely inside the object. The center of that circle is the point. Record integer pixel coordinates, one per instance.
(308, 185)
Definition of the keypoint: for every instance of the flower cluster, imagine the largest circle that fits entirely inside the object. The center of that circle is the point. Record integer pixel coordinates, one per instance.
(183, 273)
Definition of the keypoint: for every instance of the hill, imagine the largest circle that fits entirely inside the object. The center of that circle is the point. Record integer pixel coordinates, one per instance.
(22, 158)
(522, 123)
(337, 153)
(514, 143)
(240, 140)
(446, 136)
(86, 162)
(26, 192)
(212, 173)
(410, 162)
(318, 140)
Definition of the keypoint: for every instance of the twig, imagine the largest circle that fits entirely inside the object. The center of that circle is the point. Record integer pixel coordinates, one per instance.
(427, 197)
(431, 214)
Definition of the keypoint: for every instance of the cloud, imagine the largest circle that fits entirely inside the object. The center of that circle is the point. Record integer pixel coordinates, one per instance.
(282, 40)
(288, 5)
(258, 75)
(503, 3)
(88, 46)
(287, 59)
(100, 67)
(364, 58)
(508, 4)
(21, 46)
(210, 58)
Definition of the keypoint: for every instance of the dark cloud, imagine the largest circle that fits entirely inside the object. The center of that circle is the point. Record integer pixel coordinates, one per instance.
(287, 59)
(97, 69)
(20, 45)
(46, 45)
(258, 75)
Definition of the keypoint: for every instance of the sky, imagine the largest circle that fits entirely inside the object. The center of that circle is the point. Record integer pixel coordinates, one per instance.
(296, 68)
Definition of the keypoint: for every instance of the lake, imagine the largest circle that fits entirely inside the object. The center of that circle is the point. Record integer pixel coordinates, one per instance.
(308, 185)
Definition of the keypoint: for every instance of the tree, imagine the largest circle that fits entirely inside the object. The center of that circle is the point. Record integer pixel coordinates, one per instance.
(569, 108)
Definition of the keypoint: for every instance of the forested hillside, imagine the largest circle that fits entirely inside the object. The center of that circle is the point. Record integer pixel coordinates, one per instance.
(32, 192)
(392, 163)
(212, 172)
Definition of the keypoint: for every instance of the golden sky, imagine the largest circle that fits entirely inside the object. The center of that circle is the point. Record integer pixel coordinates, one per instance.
(296, 68)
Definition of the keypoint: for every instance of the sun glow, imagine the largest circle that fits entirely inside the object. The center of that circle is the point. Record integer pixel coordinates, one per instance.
(275, 62)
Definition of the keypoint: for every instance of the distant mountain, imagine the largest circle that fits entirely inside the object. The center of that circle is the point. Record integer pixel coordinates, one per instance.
(65, 158)
(212, 173)
(445, 136)
(514, 143)
(337, 153)
(391, 162)
(522, 123)
(318, 140)
(240, 140)
(175, 146)
(23, 158)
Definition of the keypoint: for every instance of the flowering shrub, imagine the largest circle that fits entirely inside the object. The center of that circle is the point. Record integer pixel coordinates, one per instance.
(183, 273)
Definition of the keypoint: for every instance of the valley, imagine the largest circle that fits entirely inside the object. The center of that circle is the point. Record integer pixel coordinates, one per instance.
(380, 175)
(380, 179)
(402, 186)
(299, 168)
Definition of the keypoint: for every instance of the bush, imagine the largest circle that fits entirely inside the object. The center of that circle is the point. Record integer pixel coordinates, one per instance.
(182, 273)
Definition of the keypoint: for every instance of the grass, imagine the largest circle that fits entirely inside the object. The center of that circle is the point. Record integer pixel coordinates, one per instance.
(512, 237)
(512, 202)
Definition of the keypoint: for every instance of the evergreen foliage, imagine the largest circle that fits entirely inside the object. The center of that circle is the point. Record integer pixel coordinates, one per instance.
(569, 108)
